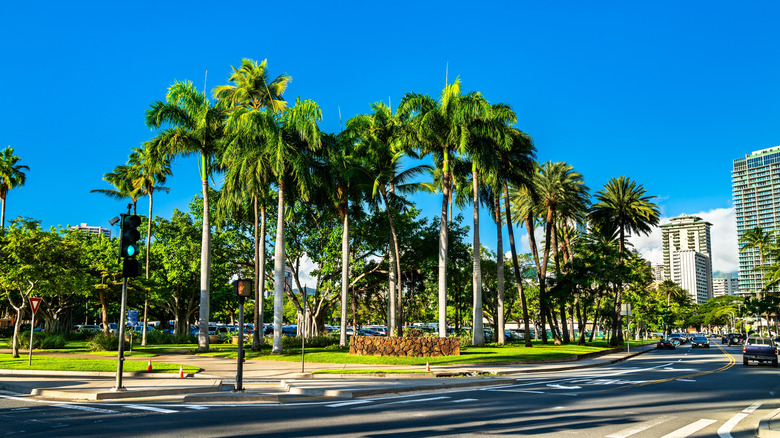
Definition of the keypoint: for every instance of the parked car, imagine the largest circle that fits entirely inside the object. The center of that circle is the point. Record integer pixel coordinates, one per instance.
(700, 341)
(759, 349)
(81, 328)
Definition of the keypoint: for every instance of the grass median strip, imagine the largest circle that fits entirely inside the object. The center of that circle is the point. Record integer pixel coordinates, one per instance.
(49, 363)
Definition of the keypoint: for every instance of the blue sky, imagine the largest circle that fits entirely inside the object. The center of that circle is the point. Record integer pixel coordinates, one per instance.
(667, 93)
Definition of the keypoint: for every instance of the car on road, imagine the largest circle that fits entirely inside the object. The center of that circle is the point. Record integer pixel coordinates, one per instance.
(700, 341)
(759, 349)
(735, 339)
(676, 338)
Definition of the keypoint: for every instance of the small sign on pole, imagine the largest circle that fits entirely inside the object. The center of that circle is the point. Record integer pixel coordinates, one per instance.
(34, 304)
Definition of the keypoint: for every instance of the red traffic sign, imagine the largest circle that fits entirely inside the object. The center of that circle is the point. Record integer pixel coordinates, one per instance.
(35, 303)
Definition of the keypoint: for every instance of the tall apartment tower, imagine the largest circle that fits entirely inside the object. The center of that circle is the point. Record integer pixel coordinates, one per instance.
(687, 249)
(755, 180)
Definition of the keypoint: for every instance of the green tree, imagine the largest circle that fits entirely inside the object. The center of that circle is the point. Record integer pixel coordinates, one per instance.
(11, 177)
(122, 178)
(34, 261)
(291, 137)
(440, 129)
(623, 203)
(247, 156)
(152, 169)
(194, 127)
(381, 136)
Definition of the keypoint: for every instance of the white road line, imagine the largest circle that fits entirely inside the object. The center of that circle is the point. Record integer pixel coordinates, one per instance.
(356, 402)
(689, 429)
(465, 400)
(724, 431)
(400, 402)
(520, 390)
(195, 407)
(639, 428)
(86, 409)
(555, 386)
(151, 408)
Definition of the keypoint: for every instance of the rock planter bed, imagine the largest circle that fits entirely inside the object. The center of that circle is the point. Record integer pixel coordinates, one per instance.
(404, 347)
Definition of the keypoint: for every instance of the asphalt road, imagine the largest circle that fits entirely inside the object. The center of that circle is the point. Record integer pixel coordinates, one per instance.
(686, 392)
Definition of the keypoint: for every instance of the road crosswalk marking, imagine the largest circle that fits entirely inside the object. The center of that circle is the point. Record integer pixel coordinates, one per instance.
(725, 430)
(689, 429)
(151, 408)
(639, 428)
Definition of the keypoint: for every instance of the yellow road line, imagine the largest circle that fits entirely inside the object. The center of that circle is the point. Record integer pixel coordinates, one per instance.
(730, 364)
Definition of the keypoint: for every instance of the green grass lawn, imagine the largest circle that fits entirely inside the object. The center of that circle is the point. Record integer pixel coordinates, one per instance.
(72, 364)
(468, 355)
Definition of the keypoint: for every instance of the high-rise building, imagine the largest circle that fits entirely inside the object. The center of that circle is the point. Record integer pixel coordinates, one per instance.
(687, 249)
(92, 230)
(658, 272)
(725, 286)
(756, 184)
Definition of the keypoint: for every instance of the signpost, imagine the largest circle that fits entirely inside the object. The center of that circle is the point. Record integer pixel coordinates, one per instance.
(243, 289)
(625, 310)
(34, 304)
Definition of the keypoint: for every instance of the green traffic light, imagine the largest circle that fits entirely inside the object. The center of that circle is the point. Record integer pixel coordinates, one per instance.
(131, 251)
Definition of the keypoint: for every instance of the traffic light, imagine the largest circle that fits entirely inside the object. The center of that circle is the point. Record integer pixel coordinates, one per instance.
(128, 246)
(243, 288)
(130, 236)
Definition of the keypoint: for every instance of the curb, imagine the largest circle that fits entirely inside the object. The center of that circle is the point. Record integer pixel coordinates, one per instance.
(130, 393)
(765, 426)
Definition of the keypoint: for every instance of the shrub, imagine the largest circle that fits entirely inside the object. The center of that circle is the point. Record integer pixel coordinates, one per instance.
(41, 340)
(104, 342)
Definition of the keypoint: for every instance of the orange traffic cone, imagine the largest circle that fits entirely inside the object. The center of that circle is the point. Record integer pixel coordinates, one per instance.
(427, 367)
(149, 365)
(181, 371)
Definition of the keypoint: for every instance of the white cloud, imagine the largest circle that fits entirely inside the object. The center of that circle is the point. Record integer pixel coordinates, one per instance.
(725, 257)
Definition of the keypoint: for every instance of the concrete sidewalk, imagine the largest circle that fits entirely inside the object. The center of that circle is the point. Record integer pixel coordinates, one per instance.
(276, 381)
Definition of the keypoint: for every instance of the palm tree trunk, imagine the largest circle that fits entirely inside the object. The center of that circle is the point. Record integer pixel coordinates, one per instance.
(535, 253)
(443, 245)
(499, 270)
(478, 334)
(148, 244)
(279, 272)
(2, 213)
(516, 267)
(259, 280)
(344, 277)
(205, 266)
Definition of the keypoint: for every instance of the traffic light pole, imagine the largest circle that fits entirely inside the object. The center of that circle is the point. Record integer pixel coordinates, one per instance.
(121, 328)
(240, 362)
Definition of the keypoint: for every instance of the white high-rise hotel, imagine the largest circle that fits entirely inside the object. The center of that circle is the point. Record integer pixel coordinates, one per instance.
(687, 251)
(756, 184)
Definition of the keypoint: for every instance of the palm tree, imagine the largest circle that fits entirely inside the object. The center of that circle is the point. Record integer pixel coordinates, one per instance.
(340, 181)
(11, 177)
(440, 129)
(151, 169)
(380, 141)
(291, 136)
(756, 238)
(516, 168)
(623, 202)
(672, 292)
(247, 157)
(122, 178)
(492, 135)
(195, 127)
